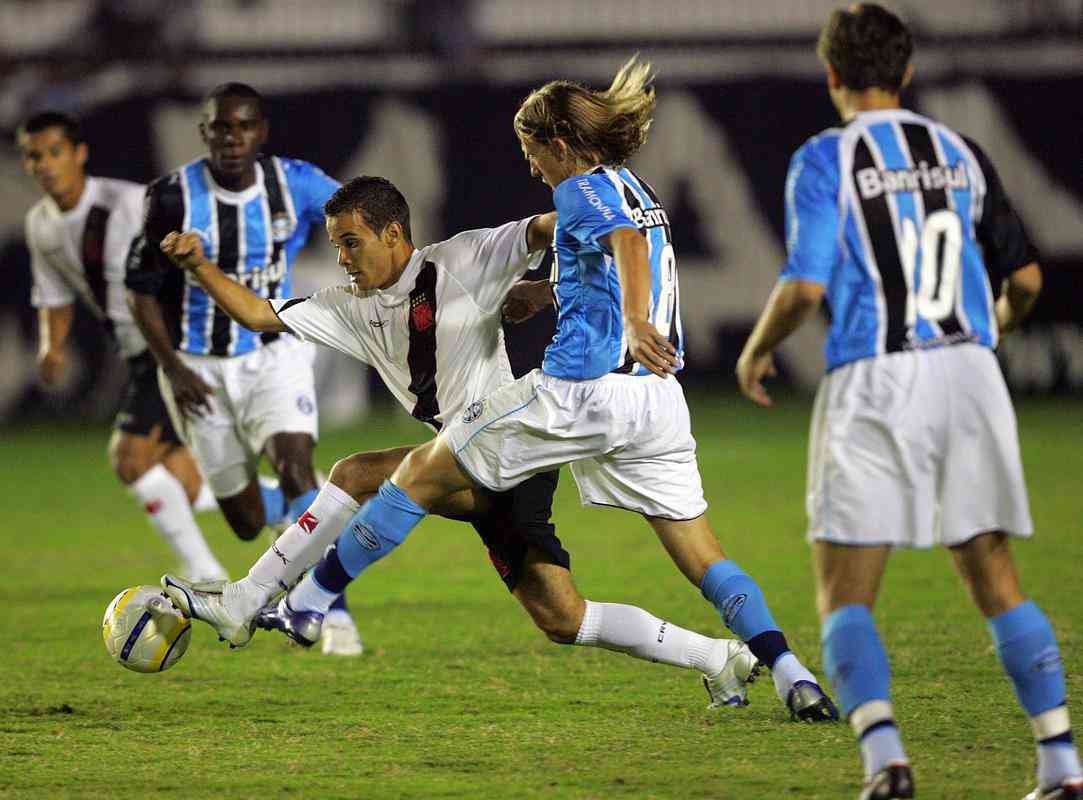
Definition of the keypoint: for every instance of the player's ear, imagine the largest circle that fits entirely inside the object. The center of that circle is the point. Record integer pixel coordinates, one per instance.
(907, 76)
(392, 234)
(82, 153)
(833, 82)
(203, 133)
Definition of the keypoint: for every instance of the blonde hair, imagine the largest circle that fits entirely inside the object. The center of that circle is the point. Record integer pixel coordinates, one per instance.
(610, 125)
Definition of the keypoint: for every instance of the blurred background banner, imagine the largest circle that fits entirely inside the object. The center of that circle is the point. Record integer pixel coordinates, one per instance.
(424, 92)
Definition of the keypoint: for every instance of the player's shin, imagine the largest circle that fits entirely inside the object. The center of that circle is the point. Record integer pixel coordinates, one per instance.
(743, 608)
(381, 525)
(299, 546)
(857, 665)
(631, 630)
(166, 503)
(1028, 650)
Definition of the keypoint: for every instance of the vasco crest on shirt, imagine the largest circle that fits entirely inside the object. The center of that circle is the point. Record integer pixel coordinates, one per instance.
(422, 315)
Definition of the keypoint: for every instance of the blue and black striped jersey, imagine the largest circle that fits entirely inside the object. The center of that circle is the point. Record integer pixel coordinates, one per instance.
(252, 235)
(907, 226)
(590, 331)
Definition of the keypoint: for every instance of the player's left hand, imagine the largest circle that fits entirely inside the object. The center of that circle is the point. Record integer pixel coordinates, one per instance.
(183, 249)
(525, 299)
(649, 347)
(751, 370)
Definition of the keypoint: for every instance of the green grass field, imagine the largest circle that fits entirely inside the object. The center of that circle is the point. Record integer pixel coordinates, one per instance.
(457, 694)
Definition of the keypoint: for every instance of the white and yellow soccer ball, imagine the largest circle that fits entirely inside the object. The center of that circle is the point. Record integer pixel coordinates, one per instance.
(143, 631)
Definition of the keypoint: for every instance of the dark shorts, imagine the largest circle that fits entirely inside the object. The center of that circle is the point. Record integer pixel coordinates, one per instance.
(142, 407)
(520, 519)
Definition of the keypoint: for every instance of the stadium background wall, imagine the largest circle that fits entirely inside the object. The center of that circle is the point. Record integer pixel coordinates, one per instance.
(718, 154)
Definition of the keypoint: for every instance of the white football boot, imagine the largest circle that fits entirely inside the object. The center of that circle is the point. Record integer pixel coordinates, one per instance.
(729, 686)
(204, 601)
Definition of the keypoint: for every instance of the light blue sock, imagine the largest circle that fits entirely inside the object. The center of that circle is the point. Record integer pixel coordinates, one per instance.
(299, 505)
(1028, 650)
(854, 658)
(857, 665)
(381, 525)
(739, 600)
(274, 501)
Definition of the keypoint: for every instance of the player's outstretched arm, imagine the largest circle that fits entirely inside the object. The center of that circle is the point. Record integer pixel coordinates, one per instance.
(790, 304)
(1017, 296)
(540, 231)
(185, 250)
(647, 346)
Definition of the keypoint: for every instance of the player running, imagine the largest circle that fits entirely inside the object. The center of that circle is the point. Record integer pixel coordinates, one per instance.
(429, 320)
(903, 226)
(605, 400)
(235, 395)
(78, 235)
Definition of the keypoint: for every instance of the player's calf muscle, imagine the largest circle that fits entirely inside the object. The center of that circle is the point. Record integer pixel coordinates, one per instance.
(131, 456)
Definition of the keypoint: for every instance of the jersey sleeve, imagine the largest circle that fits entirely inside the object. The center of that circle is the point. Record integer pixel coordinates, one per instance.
(126, 224)
(324, 318)
(1005, 244)
(147, 267)
(316, 187)
(589, 207)
(812, 218)
(49, 289)
(486, 262)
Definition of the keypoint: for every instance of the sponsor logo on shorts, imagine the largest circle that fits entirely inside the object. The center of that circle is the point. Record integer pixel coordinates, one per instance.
(731, 606)
(308, 522)
(473, 411)
(500, 565)
(377, 323)
(366, 536)
(305, 404)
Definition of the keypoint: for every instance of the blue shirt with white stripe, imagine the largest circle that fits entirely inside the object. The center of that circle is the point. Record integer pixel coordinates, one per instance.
(906, 225)
(252, 235)
(590, 341)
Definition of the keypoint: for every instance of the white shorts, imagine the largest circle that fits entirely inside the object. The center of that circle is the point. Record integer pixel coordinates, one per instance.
(628, 440)
(257, 395)
(915, 449)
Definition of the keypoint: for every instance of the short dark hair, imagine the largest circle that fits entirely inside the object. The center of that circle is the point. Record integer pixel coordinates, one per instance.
(241, 90)
(378, 201)
(44, 120)
(867, 47)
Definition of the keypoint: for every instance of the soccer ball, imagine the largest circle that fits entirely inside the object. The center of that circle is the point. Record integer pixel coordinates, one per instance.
(143, 631)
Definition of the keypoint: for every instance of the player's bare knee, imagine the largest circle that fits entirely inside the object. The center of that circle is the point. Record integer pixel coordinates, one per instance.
(359, 475)
(128, 460)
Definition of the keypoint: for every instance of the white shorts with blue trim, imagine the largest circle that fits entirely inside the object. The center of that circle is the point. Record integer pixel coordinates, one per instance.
(914, 449)
(628, 440)
(256, 395)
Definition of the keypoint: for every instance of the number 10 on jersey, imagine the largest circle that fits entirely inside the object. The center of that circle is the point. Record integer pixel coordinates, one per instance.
(940, 245)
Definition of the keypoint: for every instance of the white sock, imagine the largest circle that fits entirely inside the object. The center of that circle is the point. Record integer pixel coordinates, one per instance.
(166, 504)
(205, 500)
(310, 596)
(786, 672)
(882, 747)
(631, 630)
(297, 548)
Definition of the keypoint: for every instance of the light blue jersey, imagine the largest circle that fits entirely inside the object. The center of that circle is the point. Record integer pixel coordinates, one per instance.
(252, 235)
(590, 333)
(891, 214)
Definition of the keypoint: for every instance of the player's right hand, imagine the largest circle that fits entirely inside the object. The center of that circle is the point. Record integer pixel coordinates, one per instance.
(184, 249)
(650, 348)
(52, 365)
(751, 370)
(190, 392)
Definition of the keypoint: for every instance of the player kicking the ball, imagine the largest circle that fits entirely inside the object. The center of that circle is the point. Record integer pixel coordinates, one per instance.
(429, 320)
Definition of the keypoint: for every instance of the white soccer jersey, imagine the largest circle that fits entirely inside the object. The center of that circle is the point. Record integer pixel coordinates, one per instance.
(435, 336)
(81, 254)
